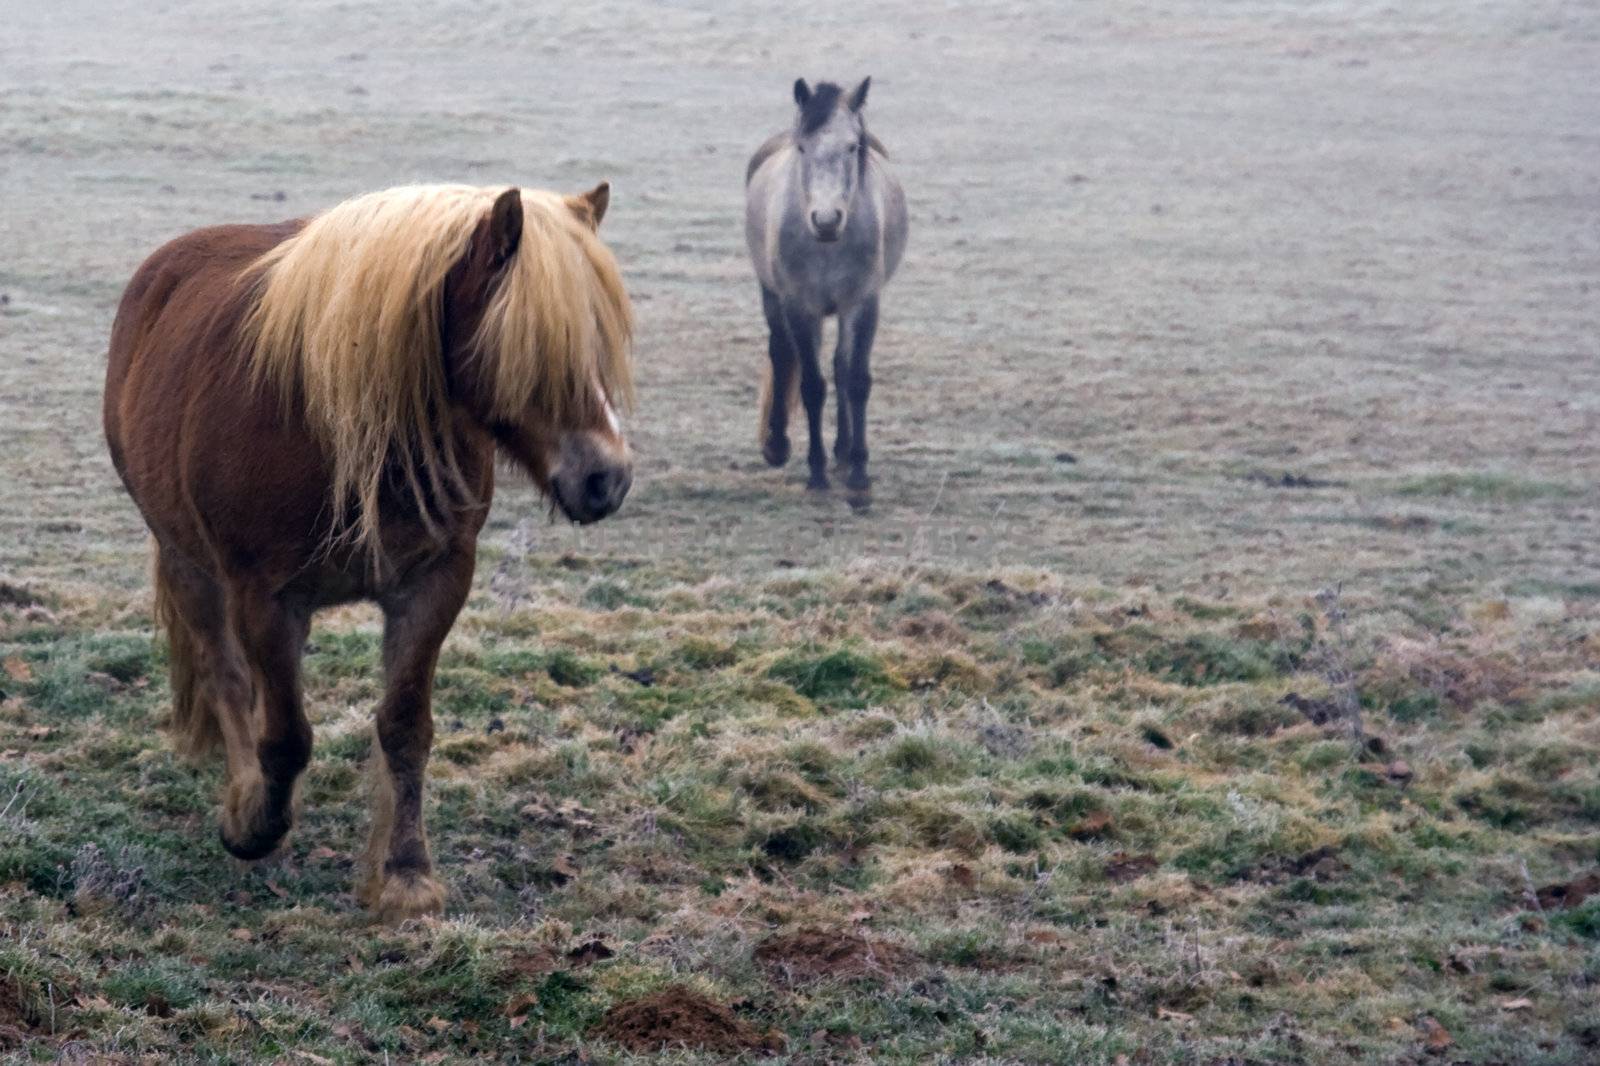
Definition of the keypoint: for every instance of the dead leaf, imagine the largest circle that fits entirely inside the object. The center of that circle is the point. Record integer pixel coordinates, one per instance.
(277, 890)
(1517, 1004)
(1436, 1039)
(564, 868)
(1173, 1015)
(322, 855)
(40, 732)
(242, 934)
(1399, 772)
(517, 1020)
(356, 965)
(1091, 826)
(17, 669)
(437, 1024)
(1123, 867)
(520, 1005)
(309, 1057)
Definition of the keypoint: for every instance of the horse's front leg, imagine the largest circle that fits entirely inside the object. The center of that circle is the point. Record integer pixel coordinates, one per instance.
(805, 338)
(861, 328)
(841, 392)
(398, 877)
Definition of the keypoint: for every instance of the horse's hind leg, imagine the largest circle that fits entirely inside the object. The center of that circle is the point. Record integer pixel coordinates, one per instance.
(398, 878)
(212, 690)
(859, 326)
(189, 607)
(779, 389)
(266, 755)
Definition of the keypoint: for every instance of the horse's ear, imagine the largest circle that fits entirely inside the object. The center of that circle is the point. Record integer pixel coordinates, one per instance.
(802, 92)
(858, 99)
(505, 227)
(590, 207)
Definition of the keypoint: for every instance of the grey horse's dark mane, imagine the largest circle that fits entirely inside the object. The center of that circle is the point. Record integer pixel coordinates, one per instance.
(816, 111)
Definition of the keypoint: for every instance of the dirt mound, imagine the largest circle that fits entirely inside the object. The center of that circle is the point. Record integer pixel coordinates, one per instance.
(1569, 894)
(679, 1017)
(809, 954)
(14, 593)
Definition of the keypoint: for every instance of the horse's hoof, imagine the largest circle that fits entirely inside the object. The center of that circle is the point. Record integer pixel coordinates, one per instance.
(818, 482)
(369, 887)
(775, 451)
(858, 481)
(254, 846)
(407, 895)
(250, 828)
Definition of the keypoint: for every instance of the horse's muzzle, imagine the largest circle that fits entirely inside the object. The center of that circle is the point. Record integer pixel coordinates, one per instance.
(828, 227)
(591, 481)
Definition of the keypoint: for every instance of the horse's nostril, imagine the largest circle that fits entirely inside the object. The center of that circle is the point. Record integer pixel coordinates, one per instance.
(597, 489)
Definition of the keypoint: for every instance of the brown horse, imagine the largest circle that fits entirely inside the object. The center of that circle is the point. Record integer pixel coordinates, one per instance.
(308, 413)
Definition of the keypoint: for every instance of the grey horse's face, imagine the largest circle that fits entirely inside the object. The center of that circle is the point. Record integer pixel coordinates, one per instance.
(831, 139)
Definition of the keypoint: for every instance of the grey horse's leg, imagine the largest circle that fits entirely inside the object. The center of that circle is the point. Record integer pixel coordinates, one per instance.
(841, 391)
(857, 381)
(805, 335)
(775, 434)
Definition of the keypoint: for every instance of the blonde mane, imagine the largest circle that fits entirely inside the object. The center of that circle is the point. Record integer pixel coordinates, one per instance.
(346, 322)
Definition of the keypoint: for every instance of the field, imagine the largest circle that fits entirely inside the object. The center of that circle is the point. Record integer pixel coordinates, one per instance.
(1214, 678)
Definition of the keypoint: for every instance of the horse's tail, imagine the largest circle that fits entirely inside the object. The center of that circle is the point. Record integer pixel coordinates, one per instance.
(195, 730)
(764, 426)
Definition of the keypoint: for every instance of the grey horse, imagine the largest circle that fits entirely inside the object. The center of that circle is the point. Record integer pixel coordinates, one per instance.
(826, 225)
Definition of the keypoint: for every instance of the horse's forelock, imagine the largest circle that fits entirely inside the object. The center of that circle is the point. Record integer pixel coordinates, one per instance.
(346, 320)
(817, 110)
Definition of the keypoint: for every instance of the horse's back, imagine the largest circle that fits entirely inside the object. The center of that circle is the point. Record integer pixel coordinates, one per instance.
(895, 219)
(175, 378)
(768, 149)
(184, 287)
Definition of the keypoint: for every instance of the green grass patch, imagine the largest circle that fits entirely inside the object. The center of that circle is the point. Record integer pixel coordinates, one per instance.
(839, 677)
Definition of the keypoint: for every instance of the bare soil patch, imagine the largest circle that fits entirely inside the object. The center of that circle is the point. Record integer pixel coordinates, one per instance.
(813, 954)
(678, 1017)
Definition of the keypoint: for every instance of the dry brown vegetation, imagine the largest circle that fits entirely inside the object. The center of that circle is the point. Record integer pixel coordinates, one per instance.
(1214, 678)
